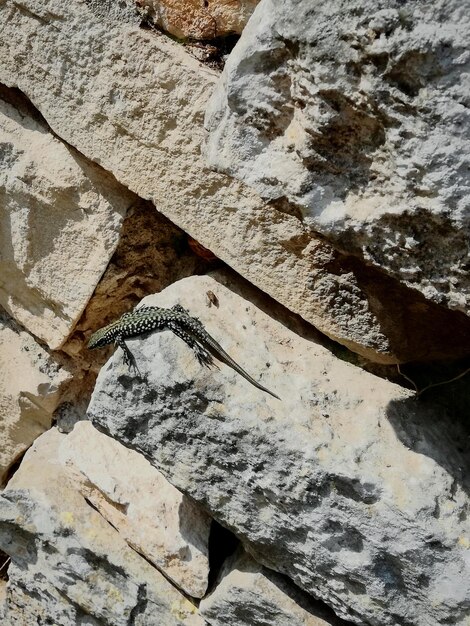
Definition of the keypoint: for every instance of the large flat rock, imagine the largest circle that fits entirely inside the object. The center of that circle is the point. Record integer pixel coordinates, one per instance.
(357, 113)
(348, 484)
(134, 102)
(60, 219)
(69, 559)
(151, 515)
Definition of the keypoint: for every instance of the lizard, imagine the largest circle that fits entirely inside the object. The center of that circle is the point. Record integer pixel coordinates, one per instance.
(177, 319)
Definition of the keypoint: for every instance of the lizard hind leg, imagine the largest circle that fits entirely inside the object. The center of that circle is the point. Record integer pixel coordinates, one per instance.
(202, 355)
(177, 308)
(189, 320)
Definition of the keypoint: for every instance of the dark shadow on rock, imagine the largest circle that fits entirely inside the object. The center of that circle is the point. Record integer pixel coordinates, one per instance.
(5, 560)
(417, 329)
(437, 425)
(222, 545)
(24, 112)
(315, 607)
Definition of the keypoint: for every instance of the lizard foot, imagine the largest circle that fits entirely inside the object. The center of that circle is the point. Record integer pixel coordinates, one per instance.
(203, 356)
(128, 357)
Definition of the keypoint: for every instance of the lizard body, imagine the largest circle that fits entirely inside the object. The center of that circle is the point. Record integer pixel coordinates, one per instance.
(177, 319)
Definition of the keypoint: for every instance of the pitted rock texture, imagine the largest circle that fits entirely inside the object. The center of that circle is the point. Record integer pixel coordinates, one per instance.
(357, 113)
(151, 515)
(134, 102)
(70, 560)
(60, 219)
(349, 485)
(248, 594)
(32, 383)
(199, 20)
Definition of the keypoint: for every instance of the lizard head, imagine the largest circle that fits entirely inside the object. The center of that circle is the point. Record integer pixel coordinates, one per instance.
(101, 337)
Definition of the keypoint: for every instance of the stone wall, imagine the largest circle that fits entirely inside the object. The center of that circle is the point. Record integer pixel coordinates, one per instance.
(304, 196)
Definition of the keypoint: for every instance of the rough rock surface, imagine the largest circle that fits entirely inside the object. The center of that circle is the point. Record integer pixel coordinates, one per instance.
(134, 102)
(151, 515)
(31, 387)
(358, 114)
(60, 219)
(65, 555)
(251, 595)
(349, 485)
(40, 604)
(197, 19)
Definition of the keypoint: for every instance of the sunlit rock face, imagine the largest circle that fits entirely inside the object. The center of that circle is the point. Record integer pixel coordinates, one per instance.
(357, 114)
(348, 484)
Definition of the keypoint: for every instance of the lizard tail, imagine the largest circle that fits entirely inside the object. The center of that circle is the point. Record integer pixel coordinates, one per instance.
(217, 351)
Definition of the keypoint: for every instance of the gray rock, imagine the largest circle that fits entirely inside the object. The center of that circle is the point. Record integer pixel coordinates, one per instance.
(357, 113)
(348, 485)
(38, 602)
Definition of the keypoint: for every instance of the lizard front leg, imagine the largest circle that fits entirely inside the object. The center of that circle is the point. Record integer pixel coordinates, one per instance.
(129, 358)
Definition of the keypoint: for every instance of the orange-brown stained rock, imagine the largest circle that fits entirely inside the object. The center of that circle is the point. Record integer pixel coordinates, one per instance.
(199, 19)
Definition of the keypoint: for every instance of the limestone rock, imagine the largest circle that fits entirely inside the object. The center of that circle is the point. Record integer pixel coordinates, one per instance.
(60, 220)
(349, 485)
(45, 605)
(150, 514)
(65, 555)
(356, 113)
(199, 19)
(134, 102)
(251, 595)
(32, 383)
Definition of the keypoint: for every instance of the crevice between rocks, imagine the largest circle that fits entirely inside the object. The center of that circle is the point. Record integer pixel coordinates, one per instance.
(14, 467)
(194, 601)
(5, 560)
(222, 544)
(212, 51)
(17, 99)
